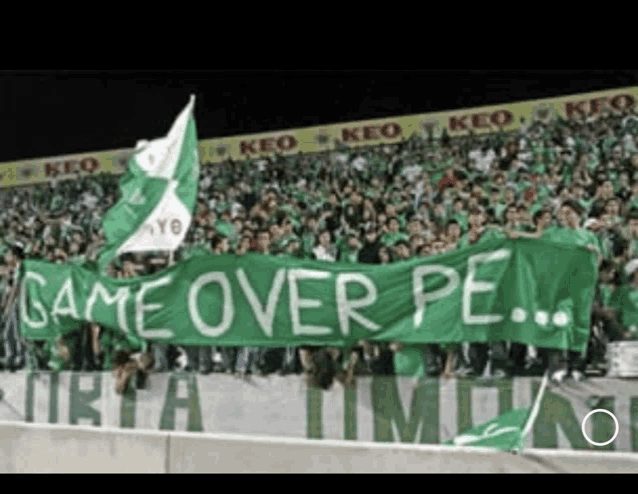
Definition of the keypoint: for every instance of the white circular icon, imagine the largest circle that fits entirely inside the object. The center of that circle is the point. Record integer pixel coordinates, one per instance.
(608, 413)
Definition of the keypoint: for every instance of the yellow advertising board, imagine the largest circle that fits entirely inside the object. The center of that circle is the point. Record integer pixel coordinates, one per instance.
(324, 137)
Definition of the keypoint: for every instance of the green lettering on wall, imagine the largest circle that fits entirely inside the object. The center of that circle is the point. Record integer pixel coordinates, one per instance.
(388, 408)
(633, 414)
(604, 426)
(190, 403)
(556, 411)
(28, 406)
(81, 400)
(314, 416)
(127, 408)
(53, 397)
(464, 389)
(350, 413)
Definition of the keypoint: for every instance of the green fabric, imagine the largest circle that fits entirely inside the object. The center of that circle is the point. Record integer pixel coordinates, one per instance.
(389, 239)
(341, 243)
(608, 144)
(578, 237)
(605, 294)
(534, 208)
(206, 301)
(580, 144)
(521, 186)
(628, 302)
(543, 193)
(112, 342)
(349, 256)
(568, 176)
(56, 203)
(538, 168)
(488, 235)
(605, 245)
(146, 184)
(56, 362)
(287, 240)
(224, 229)
(503, 433)
(410, 361)
(402, 221)
(79, 259)
(586, 204)
(308, 242)
(499, 210)
(461, 219)
(196, 250)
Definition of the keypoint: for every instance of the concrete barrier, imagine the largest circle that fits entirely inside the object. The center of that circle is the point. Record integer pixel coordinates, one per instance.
(40, 448)
(378, 410)
(206, 453)
(43, 448)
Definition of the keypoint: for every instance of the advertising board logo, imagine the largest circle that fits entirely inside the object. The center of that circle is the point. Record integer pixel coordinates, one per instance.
(430, 125)
(544, 112)
(7, 176)
(222, 150)
(322, 138)
(27, 172)
(120, 162)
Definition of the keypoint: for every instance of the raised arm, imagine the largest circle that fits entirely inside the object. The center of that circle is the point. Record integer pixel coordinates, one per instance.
(595, 250)
(46, 220)
(513, 234)
(9, 298)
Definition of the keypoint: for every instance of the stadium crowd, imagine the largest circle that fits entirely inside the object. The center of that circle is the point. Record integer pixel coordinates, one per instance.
(381, 204)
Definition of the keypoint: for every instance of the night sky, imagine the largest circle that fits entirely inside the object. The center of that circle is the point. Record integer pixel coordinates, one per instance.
(46, 114)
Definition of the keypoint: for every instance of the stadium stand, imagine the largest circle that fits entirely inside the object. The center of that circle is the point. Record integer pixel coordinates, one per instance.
(371, 204)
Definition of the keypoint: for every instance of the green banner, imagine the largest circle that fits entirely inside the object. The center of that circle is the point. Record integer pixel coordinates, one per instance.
(524, 290)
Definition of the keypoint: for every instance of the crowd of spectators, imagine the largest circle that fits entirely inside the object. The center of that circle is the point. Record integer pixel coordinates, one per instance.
(379, 204)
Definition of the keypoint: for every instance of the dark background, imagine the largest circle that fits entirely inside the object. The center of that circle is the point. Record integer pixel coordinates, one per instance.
(47, 114)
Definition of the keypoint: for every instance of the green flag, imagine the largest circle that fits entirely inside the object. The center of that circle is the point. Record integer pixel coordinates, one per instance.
(159, 192)
(507, 432)
(525, 290)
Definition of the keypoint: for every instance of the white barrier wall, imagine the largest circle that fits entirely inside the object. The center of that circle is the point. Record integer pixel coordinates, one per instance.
(38, 448)
(400, 410)
(35, 448)
(385, 410)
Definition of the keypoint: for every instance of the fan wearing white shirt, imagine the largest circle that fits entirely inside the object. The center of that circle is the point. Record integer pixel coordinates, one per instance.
(483, 158)
(325, 251)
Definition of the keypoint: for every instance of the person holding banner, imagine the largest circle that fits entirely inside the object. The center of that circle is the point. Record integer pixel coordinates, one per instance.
(252, 359)
(225, 357)
(563, 363)
(477, 356)
(530, 359)
(321, 367)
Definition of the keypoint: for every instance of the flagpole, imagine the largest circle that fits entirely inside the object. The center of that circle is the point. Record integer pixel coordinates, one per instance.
(535, 409)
